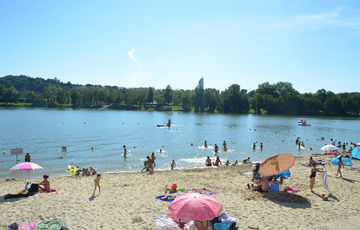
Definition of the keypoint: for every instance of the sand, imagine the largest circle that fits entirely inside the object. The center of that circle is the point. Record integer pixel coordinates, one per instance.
(127, 200)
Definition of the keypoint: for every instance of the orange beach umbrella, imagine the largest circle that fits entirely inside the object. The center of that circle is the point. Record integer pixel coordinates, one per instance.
(277, 164)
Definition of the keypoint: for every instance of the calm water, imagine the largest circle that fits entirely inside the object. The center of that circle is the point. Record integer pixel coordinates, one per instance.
(42, 132)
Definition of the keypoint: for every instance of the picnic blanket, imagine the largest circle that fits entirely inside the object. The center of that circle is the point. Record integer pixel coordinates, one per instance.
(27, 225)
(167, 198)
(166, 222)
(204, 191)
(51, 191)
(55, 224)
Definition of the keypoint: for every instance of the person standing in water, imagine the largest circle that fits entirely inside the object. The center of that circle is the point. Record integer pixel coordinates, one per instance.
(254, 146)
(124, 147)
(224, 146)
(261, 146)
(27, 157)
(169, 123)
(173, 164)
(216, 148)
(153, 158)
(205, 144)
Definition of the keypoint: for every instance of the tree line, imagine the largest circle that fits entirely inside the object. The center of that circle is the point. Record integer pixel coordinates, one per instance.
(278, 98)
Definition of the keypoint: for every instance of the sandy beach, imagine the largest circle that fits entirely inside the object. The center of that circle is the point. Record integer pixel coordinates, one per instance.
(127, 200)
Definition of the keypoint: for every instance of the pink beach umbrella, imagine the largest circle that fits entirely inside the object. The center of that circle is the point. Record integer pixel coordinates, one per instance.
(25, 166)
(195, 206)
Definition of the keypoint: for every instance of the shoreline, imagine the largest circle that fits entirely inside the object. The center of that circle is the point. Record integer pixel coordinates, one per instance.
(66, 173)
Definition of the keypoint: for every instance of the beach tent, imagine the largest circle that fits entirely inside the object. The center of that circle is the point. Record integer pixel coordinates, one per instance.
(356, 153)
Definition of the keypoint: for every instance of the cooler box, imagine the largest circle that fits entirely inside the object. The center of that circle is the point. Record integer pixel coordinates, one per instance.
(274, 187)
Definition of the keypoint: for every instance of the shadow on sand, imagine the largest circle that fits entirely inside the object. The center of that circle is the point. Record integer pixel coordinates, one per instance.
(287, 199)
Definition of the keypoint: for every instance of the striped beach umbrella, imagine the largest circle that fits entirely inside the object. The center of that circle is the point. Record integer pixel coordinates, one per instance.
(25, 166)
(277, 164)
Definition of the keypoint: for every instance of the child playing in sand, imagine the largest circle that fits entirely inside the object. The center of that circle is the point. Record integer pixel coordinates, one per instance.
(97, 183)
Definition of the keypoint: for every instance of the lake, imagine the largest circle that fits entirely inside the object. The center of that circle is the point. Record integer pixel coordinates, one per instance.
(42, 133)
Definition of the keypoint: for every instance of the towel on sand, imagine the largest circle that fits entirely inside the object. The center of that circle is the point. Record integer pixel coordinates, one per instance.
(170, 198)
(204, 191)
(51, 191)
(27, 225)
(163, 221)
(55, 224)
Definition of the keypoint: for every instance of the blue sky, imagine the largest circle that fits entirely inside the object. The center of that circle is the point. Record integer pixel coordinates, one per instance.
(312, 44)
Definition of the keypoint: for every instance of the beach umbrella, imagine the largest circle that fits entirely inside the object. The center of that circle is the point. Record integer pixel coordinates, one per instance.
(276, 164)
(329, 148)
(25, 166)
(195, 206)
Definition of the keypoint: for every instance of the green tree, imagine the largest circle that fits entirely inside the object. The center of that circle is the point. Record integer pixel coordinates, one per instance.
(199, 96)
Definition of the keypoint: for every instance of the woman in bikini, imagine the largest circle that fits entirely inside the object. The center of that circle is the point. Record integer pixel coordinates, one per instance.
(312, 176)
(45, 184)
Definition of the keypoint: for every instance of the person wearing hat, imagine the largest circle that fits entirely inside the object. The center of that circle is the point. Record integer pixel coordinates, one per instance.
(45, 184)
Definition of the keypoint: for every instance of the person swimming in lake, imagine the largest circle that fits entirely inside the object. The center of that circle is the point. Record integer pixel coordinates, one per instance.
(216, 148)
(208, 161)
(205, 144)
(224, 146)
(44, 185)
(217, 162)
(124, 147)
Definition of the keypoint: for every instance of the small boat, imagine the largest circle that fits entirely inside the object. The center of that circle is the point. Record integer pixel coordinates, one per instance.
(303, 123)
(164, 125)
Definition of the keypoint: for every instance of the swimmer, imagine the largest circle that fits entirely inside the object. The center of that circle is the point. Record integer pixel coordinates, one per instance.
(191, 144)
(254, 146)
(261, 146)
(92, 148)
(160, 150)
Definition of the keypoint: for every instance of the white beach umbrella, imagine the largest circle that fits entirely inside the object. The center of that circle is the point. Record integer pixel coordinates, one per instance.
(329, 148)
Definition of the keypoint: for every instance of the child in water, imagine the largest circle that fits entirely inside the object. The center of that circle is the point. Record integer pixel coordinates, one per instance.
(97, 183)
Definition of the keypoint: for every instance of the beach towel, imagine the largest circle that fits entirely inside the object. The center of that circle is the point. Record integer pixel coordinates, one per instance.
(291, 190)
(227, 218)
(168, 198)
(51, 191)
(204, 191)
(55, 224)
(163, 221)
(27, 225)
(324, 175)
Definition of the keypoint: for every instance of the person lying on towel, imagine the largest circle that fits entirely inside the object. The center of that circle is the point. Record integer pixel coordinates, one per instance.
(45, 184)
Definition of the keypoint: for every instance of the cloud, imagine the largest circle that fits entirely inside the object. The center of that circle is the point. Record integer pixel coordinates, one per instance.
(131, 54)
(333, 19)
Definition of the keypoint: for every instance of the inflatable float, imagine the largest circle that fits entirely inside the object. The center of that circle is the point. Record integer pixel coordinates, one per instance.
(345, 160)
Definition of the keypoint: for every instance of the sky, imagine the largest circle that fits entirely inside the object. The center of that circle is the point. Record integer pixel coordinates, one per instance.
(312, 44)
